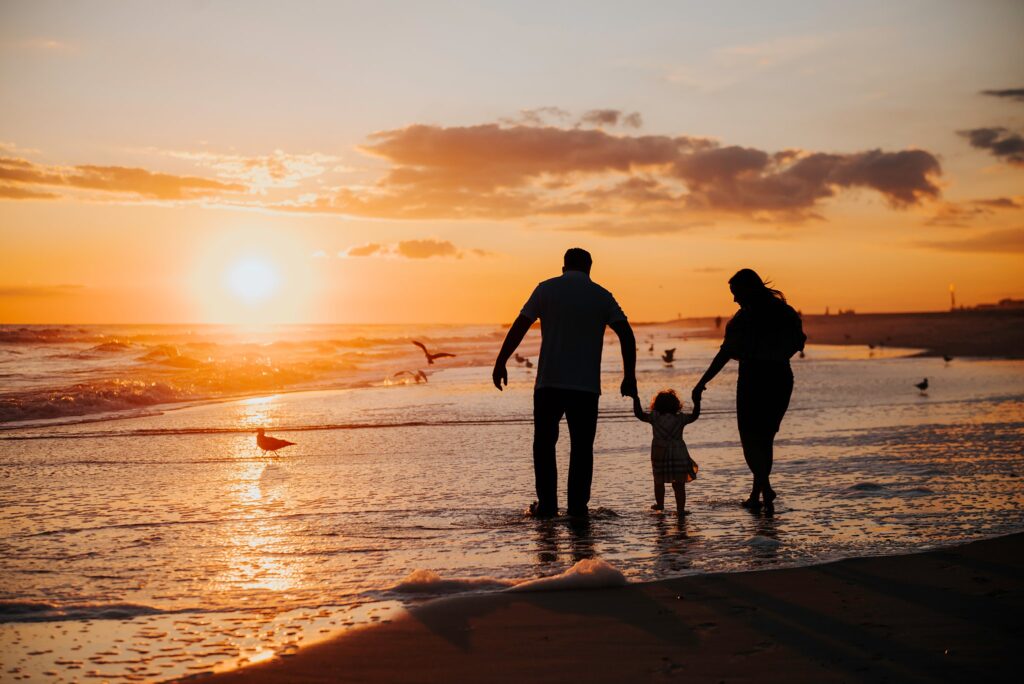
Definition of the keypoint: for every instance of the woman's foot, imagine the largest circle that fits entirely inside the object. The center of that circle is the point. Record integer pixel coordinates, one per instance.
(657, 507)
(769, 496)
(751, 503)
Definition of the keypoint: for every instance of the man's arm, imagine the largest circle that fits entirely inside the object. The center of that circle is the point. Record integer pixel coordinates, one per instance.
(628, 343)
(514, 336)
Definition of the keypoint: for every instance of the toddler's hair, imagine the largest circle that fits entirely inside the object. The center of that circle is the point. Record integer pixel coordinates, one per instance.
(666, 401)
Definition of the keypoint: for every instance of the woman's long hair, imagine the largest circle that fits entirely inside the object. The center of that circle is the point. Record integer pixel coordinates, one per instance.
(747, 280)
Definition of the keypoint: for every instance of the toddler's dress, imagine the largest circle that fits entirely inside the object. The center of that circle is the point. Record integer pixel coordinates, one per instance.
(670, 460)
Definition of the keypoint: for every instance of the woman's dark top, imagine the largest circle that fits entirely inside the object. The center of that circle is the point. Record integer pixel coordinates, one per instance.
(768, 331)
(763, 338)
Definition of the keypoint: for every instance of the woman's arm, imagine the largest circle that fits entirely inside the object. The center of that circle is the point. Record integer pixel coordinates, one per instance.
(717, 364)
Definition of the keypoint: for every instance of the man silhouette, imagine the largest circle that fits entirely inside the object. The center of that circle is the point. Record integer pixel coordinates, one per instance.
(573, 313)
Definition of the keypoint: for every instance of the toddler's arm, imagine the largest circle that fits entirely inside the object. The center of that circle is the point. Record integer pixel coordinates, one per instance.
(696, 410)
(638, 410)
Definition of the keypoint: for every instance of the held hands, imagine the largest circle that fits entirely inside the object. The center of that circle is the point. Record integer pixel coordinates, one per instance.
(695, 395)
(628, 387)
(499, 376)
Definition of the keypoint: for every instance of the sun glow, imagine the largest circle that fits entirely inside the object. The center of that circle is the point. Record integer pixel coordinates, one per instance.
(252, 280)
(248, 276)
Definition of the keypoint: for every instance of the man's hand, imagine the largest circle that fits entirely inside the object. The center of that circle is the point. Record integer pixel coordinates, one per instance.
(500, 376)
(628, 387)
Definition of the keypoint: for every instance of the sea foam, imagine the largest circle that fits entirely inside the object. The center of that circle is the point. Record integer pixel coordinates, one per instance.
(589, 573)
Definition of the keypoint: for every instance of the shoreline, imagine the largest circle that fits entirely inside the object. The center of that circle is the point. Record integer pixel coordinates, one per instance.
(977, 333)
(951, 613)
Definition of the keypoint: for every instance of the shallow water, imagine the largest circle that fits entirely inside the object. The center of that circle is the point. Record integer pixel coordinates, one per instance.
(161, 545)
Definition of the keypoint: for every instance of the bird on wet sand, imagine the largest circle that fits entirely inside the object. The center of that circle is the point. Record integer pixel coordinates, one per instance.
(432, 355)
(947, 358)
(266, 443)
(923, 385)
(669, 356)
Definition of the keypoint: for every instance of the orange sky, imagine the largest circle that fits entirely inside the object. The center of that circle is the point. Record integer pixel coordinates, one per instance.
(231, 162)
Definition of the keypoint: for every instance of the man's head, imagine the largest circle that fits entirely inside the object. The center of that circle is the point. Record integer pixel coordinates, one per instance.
(577, 259)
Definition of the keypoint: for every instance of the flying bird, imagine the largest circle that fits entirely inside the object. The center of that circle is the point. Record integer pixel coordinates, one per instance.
(669, 356)
(518, 358)
(923, 385)
(430, 356)
(270, 443)
(529, 363)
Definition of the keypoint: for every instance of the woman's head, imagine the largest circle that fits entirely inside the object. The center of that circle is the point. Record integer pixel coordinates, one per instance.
(666, 401)
(748, 288)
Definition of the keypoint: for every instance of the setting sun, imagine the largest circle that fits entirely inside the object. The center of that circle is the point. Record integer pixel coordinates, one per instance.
(252, 280)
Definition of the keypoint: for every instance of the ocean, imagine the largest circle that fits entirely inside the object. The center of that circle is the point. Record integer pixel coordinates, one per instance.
(144, 536)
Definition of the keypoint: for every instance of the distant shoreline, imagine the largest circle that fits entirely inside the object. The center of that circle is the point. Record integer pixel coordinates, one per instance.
(982, 333)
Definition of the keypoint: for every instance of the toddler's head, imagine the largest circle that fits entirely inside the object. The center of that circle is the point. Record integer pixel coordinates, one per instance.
(666, 401)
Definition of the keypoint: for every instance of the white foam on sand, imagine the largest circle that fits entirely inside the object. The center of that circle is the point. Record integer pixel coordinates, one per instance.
(429, 582)
(589, 573)
(765, 543)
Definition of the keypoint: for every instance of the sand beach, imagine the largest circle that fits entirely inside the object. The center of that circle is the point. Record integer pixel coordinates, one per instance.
(951, 614)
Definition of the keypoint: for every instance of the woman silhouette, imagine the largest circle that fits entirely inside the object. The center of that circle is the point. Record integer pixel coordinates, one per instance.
(762, 336)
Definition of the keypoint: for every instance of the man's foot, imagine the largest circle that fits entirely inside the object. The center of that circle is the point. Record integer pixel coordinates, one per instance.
(751, 504)
(657, 507)
(769, 497)
(541, 513)
(578, 512)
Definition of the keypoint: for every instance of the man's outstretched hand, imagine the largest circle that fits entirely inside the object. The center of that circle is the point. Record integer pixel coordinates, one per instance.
(500, 376)
(628, 387)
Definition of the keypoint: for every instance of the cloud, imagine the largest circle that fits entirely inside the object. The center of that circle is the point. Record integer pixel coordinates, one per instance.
(424, 249)
(611, 182)
(505, 172)
(62, 290)
(1010, 240)
(1003, 143)
(117, 179)
(1007, 93)
(626, 227)
(364, 250)
(539, 116)
(13, 192)
(278, 169)
(962, 214)
(611, 117)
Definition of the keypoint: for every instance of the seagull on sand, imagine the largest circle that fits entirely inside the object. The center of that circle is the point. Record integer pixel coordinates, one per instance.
(270, 443)
(431, 356)
(528, 362)
(923, 385)
(947, 358)
(669, 356)
(419, 376)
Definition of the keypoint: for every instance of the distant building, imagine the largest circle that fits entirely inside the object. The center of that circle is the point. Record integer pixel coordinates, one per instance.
(1003, 304)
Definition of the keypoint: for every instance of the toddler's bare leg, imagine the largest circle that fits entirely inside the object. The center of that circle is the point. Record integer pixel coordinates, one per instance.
(680, 490)
(659, 495)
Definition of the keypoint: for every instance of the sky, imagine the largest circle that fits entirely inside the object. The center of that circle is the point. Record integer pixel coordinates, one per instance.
(415, 162)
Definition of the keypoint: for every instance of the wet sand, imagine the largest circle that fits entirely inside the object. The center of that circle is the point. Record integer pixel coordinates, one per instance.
(979, 333)
(952, 614)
